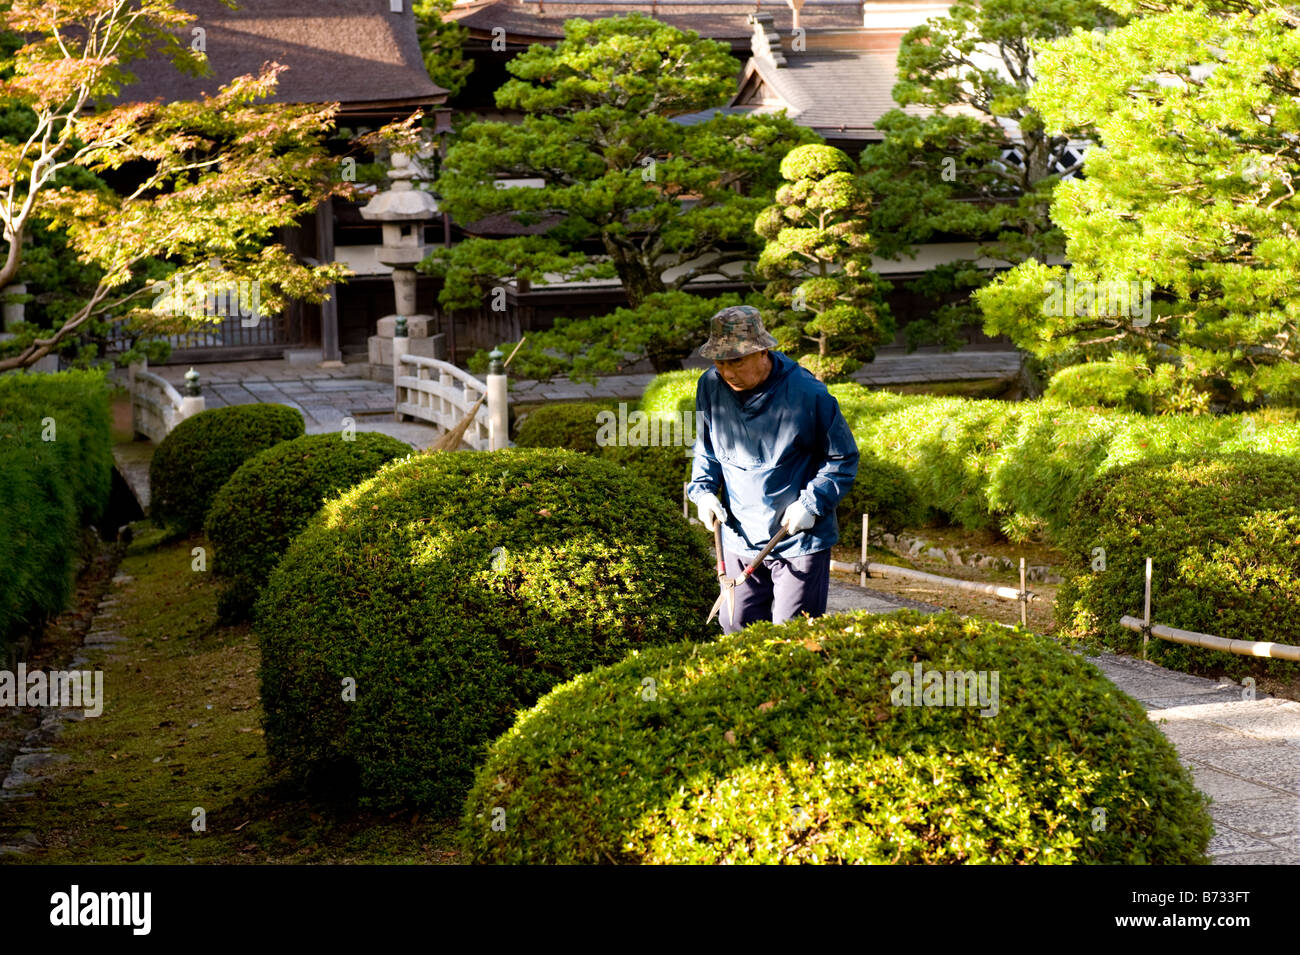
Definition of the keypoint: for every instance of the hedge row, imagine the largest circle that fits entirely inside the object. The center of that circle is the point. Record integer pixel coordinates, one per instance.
(1017, 467)
(49, 489)
(802, 743)
(1223, 534)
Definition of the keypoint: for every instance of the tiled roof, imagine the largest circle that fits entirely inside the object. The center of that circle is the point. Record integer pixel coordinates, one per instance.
(346, 51)
(830, 90)
(842, 92)
(715, 20)
(504, 224)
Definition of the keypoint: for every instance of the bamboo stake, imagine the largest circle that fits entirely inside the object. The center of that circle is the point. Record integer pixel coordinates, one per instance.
(890, 570)
(1246, 648)
(1146, 611)
(1024, 597)
(862, 579)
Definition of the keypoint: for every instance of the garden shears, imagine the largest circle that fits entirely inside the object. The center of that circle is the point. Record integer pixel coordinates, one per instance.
(729, 585)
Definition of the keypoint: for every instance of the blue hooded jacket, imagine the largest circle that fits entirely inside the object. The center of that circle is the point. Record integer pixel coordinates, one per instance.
(788, 440)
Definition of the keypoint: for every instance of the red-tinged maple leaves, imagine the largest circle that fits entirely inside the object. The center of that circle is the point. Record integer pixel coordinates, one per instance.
(42, 16)
(211, 180)
(52, 82)
(405, 136)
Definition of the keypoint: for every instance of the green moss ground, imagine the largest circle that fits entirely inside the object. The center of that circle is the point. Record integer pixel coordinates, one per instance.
(181, 729)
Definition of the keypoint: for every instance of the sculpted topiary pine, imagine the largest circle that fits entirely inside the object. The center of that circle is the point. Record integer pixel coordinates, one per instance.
(818, 255)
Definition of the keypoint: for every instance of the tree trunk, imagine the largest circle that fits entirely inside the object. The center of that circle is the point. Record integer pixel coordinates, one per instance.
(639, 278)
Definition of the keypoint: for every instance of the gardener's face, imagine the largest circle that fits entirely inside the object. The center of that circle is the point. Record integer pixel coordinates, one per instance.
(745, 373)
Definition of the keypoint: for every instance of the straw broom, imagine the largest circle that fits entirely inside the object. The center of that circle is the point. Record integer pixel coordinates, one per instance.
(452, 439)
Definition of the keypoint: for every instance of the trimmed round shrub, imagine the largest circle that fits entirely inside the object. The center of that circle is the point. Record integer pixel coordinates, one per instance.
(1105, 384)
(802, 743)
(577, 427)
(202, 452)
(671, 393)
(885, 493)
(455, 589)
(569, 425)
(270, 499)
(1223, 533)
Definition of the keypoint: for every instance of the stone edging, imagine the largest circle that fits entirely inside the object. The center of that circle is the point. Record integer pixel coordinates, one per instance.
(37, 749)
(966, 557)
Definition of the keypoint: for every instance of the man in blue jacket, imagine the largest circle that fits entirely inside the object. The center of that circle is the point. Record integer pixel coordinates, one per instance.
(772, 449)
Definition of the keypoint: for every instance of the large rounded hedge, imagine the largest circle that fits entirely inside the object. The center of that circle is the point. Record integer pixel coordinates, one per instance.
(575, 426)
(1223, 533)
(272, 496)
(665, 468)
(784, 744)
(455, 589)
(570, 425)
(202, 452)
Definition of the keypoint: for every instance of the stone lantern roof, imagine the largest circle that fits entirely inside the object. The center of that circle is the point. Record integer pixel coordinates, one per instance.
(402, 201)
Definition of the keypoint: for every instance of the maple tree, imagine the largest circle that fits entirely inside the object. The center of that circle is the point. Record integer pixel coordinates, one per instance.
(198, 188)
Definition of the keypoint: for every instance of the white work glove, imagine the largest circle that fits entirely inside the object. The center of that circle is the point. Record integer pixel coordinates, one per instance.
(709, 509)
(797, 518)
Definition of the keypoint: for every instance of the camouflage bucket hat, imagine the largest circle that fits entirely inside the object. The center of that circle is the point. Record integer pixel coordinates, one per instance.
(736, 332)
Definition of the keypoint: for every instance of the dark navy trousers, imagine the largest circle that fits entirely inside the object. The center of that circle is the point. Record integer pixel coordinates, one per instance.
(778, 590)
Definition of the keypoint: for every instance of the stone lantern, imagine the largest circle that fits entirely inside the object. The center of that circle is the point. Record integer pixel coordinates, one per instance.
(402, 210)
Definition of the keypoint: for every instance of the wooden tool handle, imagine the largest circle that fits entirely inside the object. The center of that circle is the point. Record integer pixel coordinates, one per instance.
(766, 550)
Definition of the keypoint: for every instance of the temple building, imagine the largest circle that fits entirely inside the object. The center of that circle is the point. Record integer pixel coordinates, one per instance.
(363, 55)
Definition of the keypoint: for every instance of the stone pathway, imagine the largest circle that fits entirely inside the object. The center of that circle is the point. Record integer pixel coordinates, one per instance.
(844, 597)
(1243, 753)
(328, 395)
(37, 753)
